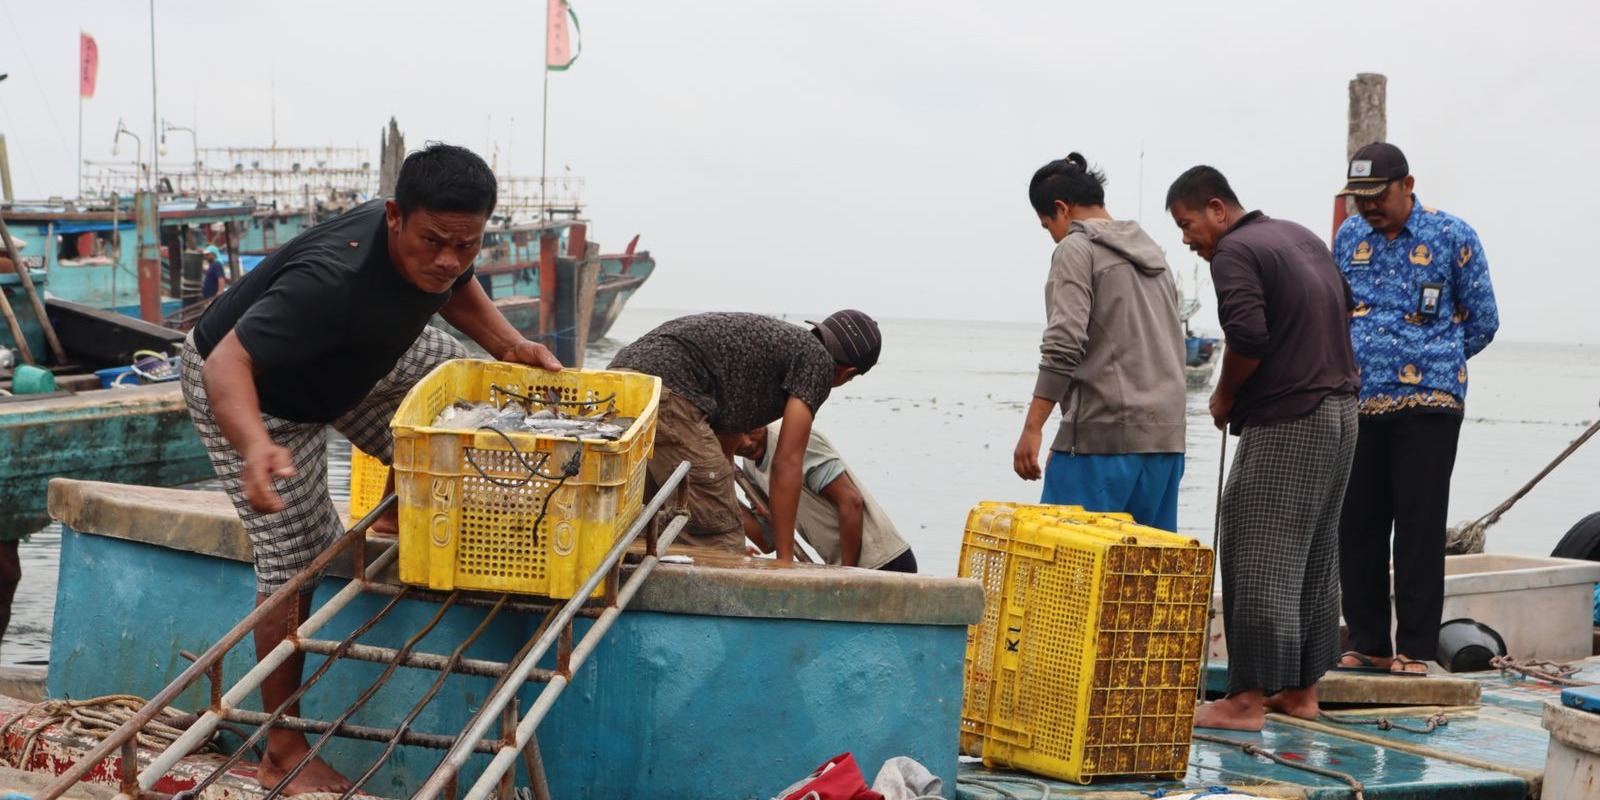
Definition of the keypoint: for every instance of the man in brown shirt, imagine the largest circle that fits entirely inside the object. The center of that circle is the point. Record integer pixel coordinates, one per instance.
(1287, 390)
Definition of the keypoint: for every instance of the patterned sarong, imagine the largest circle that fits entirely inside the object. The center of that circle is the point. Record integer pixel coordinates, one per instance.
(287, 541)
(1280, 548)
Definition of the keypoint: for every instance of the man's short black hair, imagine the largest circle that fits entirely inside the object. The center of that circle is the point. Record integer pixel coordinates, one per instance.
(1069, 180)
(444, 177)
(1198, 185)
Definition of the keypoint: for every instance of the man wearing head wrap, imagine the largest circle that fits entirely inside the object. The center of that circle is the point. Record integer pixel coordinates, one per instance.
(723, 374)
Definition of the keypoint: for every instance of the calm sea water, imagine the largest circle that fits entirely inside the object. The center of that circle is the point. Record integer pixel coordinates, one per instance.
(931, 429)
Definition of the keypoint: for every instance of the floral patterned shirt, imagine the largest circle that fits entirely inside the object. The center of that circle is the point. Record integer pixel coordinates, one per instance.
(1423, 306)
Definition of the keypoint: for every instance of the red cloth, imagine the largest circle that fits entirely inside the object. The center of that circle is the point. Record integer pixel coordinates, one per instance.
(837, 779)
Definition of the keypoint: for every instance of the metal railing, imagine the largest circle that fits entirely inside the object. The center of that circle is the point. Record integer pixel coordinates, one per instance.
(516, 736)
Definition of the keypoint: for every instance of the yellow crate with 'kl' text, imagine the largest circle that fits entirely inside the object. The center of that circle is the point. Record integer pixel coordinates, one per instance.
(1088, 656)
(486, 511)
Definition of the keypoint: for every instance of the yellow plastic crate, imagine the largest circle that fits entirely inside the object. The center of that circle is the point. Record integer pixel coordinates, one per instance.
(469, 504)
(368, 476)
(1088, 657)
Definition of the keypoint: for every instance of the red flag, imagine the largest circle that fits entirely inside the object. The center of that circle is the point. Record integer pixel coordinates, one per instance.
(559, 50)
(88, 64)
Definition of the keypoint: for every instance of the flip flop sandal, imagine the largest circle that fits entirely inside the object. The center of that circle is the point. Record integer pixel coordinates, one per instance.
(1364, 663)
(1402, 667)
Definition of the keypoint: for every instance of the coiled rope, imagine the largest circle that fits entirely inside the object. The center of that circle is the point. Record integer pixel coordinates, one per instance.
(95, 718)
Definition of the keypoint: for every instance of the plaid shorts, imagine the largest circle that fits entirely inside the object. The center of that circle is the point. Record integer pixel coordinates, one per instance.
(285, 542)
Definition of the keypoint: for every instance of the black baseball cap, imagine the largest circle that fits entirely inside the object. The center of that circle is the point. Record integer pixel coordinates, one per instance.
(852, 338)
(1373, 167)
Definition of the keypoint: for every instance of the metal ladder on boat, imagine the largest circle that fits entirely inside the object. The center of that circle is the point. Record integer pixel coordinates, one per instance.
(515, 738)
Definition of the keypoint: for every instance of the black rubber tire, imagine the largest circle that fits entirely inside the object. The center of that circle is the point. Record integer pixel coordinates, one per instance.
(1582, 541)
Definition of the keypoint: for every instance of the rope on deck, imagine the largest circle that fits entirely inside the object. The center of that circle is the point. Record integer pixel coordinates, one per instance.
(95, 718)
(1250, 748)
(994, 786)
(1384, 723)
(1547, 671)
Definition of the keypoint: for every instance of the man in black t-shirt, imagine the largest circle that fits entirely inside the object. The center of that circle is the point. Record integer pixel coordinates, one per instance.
(332, 330)
(725, 374)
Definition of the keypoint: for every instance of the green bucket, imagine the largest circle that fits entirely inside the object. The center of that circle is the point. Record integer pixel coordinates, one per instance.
(29, 379)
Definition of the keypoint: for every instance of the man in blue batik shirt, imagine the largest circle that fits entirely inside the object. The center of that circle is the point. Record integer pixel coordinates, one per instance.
(1423, 306)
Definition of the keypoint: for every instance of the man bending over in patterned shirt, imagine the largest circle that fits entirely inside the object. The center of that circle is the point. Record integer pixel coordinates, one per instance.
(723, 374)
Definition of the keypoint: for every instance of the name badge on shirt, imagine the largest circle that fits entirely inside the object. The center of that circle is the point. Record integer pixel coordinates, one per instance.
(1428, 299)
(1363, 253)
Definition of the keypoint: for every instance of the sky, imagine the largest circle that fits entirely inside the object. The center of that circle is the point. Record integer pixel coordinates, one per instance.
(777, 157)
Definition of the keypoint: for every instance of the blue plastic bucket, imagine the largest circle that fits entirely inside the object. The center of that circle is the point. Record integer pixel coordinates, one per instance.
(116, 376)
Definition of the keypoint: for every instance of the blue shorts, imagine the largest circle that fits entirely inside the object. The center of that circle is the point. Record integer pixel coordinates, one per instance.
(1142, 484)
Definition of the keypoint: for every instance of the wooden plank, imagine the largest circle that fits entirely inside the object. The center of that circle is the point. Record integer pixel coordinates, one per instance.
(25, 276)
(1395, 690)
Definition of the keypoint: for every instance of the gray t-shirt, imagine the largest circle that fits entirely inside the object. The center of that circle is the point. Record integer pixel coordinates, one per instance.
(741, 369)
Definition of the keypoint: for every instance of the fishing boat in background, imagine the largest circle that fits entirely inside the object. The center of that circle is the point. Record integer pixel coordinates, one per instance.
(620, 276)
(1200, 352)
(86, 254)
(100, 402)
(537, 262)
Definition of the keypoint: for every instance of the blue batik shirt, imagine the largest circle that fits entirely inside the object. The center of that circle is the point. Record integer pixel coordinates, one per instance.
(1423, 306)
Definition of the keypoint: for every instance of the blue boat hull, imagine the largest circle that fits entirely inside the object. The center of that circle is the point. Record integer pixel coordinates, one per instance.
(714, 683)
(138, 435)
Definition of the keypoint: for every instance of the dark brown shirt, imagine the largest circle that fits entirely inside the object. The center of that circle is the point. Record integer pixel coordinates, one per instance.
(1282, 300)
(741, 369)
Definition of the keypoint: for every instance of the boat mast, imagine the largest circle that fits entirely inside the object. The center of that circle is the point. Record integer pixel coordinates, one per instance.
(544, 135)
(155, 127)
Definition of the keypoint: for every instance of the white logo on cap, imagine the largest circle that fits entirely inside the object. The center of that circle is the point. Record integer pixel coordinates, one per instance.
(1361, 169)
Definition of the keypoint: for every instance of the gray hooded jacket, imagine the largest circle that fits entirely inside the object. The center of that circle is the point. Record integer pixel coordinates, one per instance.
(1113, 355)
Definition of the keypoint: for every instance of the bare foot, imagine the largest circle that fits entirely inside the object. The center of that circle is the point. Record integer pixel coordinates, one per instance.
(1236, 712)
(316, 777)
(1298, 703)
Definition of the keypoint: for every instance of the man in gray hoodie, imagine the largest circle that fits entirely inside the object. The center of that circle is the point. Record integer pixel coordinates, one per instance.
(1112, 358)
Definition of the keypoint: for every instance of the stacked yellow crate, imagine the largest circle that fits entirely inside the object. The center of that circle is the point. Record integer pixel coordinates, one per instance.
(1088, 657)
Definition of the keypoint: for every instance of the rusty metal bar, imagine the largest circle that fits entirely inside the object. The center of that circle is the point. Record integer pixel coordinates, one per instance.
(305, 686)
(366, 696)
(207, 724)
(527, 605)
(506, 758)
(427, 697)
(508, 733)
(363, 732)
(467, 666)
(533, 763)
(479, 726)
(128, 730)
(129, 779)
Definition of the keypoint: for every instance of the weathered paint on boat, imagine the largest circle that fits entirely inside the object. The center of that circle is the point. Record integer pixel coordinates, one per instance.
(620, 276)
(135, 434)
(723, 679)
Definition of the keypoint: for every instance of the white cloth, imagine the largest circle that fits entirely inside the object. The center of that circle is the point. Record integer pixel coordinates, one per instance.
(903, 778)
(817, 518)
